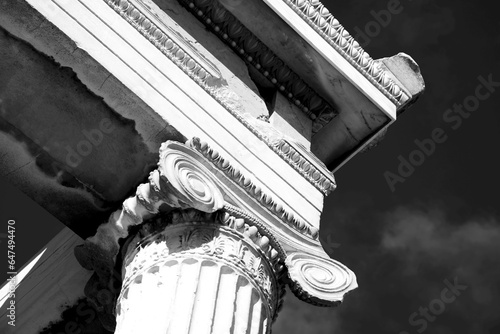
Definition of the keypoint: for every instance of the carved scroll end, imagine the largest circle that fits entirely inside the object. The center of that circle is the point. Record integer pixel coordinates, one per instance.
(185, 180)
(319, 281)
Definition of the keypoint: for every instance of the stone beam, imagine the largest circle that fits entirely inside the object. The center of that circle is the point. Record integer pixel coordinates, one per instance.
(72, 137)
(194, 101)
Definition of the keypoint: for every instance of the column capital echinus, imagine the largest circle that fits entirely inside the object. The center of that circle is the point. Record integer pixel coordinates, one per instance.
(198, 209)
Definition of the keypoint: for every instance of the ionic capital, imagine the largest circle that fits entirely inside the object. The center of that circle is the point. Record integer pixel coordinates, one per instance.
(199, 205)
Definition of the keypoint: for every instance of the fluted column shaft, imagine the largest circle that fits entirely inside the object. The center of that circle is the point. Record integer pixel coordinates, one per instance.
(200, 278)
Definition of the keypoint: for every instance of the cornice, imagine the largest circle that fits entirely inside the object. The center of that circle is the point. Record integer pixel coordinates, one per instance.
(204, 74)
(255, 53)
(316, 15)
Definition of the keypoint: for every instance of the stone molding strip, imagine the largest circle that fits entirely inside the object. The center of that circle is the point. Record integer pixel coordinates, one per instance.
(180, 55)
(233, 212)
(246, 183)
(316, 174)
(161, 40)
(316, 15)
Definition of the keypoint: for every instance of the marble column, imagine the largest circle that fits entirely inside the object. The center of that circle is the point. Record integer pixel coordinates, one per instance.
(198, 275)
(191, 252)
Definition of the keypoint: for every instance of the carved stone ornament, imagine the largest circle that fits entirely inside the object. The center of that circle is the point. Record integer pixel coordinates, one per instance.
(255, 190)
(164, 38)
(182, 220)
(314, 13)
(184, 181)
(317, 280)
(311, 168)
(227, 267)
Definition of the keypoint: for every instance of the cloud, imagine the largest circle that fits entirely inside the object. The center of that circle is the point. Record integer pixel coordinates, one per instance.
(427, 242)
(402, 258)
(432, 247)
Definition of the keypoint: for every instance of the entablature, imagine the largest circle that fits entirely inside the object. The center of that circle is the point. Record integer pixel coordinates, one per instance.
(188, 88)
(301, 48)
(182, 89)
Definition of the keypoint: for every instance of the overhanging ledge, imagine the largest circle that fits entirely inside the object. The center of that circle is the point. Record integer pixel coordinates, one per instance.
(366, 94)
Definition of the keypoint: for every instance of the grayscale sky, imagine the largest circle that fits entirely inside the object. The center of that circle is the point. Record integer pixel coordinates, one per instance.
(443, 221)
(437, 226)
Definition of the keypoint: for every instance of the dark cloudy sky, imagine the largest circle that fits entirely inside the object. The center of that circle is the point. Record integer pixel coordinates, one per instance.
(442, 223)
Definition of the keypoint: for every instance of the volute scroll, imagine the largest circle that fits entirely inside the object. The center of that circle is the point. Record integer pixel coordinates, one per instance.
(319, 281)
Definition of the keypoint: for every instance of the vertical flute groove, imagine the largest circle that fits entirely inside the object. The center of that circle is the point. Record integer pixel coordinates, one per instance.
(194, 279)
